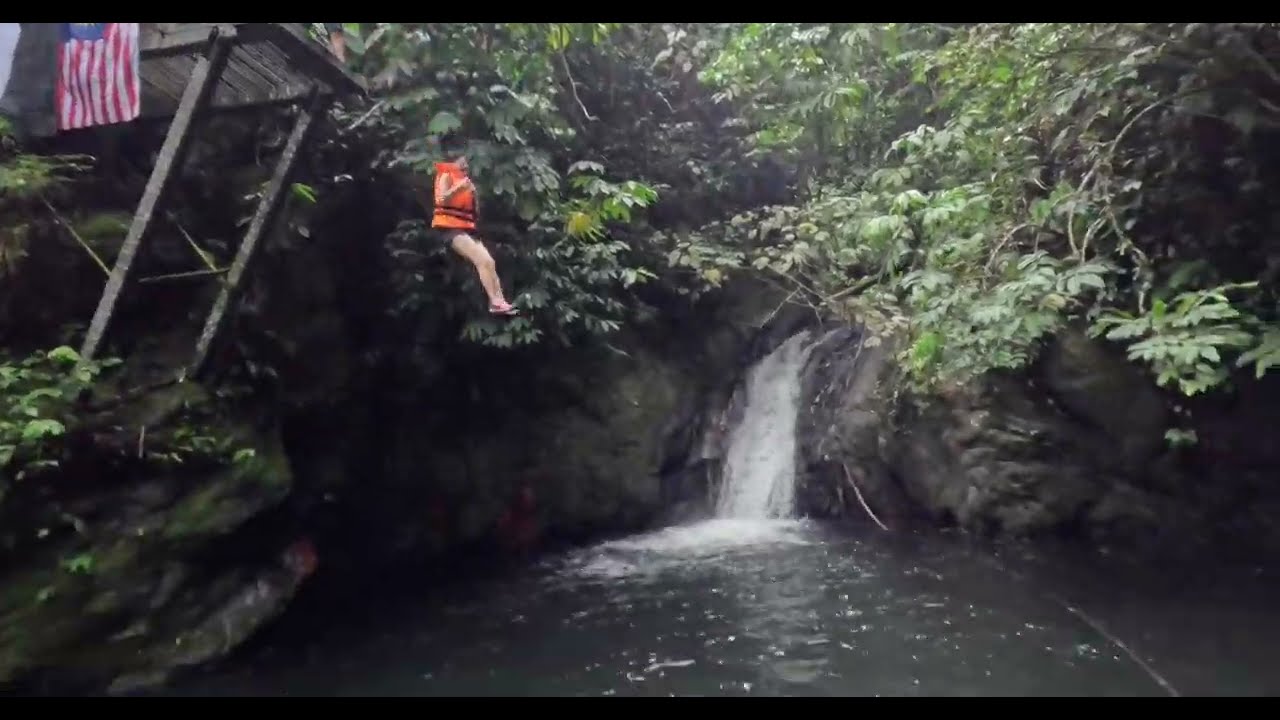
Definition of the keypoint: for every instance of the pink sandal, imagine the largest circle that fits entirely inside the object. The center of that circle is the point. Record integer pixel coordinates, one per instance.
(504, 308)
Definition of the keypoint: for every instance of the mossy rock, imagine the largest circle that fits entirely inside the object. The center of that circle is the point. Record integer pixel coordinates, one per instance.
(98, 618)
(162, 405)
(42, 612)
(230, 496)
(105, 230)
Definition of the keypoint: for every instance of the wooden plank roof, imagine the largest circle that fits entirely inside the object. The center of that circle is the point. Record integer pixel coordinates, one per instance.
(269, 64)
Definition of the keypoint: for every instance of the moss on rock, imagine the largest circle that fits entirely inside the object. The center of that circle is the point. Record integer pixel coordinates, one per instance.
(106, 600)
(230, 496)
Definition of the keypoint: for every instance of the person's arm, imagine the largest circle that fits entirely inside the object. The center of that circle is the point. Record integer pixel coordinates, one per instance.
(444, 190)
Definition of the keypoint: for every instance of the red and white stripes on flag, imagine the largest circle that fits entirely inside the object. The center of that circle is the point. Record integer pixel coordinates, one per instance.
(98, 75)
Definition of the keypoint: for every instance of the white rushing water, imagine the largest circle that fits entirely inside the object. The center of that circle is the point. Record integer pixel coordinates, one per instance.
(759, 474)
(755, 508)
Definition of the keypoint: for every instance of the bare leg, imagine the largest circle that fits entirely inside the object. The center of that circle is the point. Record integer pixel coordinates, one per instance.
(338, 42)
(474, 251)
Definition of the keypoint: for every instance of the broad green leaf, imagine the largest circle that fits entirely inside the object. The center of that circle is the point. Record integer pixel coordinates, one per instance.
(303, 191)
(443, 122)
(37, 429)
(65, 355)
(586, 166)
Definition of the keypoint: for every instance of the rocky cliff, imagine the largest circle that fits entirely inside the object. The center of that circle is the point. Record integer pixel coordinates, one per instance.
(1075, 447)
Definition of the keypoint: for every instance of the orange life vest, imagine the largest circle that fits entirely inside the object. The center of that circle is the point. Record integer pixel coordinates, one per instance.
(459, 211)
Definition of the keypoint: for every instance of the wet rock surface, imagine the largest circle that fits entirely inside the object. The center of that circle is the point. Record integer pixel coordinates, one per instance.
(124, 568)
(1074, 446)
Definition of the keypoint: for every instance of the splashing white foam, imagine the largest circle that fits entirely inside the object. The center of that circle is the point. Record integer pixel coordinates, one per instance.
(755, 509)
(685, 545)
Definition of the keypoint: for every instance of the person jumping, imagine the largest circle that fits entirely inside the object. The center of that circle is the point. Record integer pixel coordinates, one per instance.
(456, 214)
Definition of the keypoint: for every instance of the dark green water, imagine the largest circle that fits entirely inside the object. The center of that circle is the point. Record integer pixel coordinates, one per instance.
(733, 607)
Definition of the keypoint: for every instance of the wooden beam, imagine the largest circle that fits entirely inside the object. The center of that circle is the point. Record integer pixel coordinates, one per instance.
(284, 96)
(268, 206)
(270, 64)
(168, 39)
(204, 76)
(314, 58)
(159, 40)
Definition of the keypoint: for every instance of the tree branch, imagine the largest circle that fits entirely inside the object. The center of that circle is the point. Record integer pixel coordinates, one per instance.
(1109, 156)
(855, 288)
(1000, 245)
(180, 275)
(200, 253)
(573, 86)
(360, 121)
(105, 270)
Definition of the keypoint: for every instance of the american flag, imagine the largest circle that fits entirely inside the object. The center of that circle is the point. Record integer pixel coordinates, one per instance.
(97, 75)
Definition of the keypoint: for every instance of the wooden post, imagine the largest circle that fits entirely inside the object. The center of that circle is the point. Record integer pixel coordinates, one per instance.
(268, 206)
(196, 96)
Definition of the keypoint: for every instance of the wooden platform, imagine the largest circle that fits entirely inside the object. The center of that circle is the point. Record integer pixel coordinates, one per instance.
(191, 69)
(268, 64)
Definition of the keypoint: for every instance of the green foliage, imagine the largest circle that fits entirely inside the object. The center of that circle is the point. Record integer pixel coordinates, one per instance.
(192, 441)
(509, 90)
(580, 274)
(40, 411)
(1180, 438)
(966, 189)
(24, 179)
(24, 175)
(304, 192)
(37, 407)
(1185, 342)
(76, 565)
(194, 437)
(98, 228)
(819, 93)
(1061, 173)
(1265, 355)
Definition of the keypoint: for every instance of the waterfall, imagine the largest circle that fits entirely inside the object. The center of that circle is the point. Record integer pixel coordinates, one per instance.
(756, 504)
(759, 474)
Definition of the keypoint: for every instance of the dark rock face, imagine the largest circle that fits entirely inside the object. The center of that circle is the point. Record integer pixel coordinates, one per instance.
(1073, 447)
(1099, 388)
(125, 570)
(585, 466)
(841, 430)
(610, 440)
